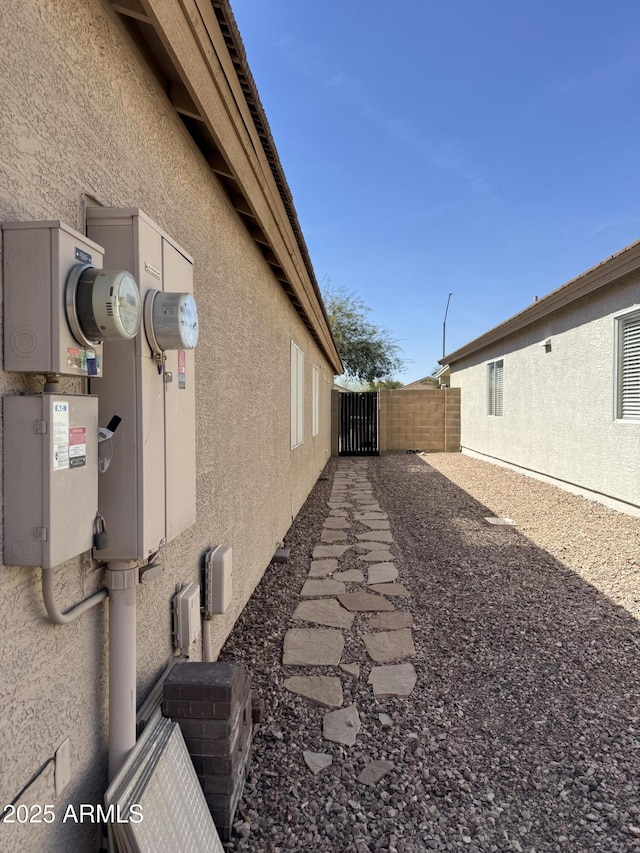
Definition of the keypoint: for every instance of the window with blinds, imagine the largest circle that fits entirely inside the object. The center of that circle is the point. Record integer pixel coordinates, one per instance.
(628, 391)
(495, 376)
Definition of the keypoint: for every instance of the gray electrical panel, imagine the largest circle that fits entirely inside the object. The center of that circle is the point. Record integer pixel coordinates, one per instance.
(50, 477)
(37, 260)
(148, 494)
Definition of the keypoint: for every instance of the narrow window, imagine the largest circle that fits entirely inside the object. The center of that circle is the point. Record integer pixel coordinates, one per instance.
(495, 374)
(628, 367)
(315, 402)
(297, 396)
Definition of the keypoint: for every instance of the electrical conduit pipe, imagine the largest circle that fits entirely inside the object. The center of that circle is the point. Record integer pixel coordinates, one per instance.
(121, 580)
(61, 617)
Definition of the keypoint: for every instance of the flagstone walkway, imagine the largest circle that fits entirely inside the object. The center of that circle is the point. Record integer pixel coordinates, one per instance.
(337, 595)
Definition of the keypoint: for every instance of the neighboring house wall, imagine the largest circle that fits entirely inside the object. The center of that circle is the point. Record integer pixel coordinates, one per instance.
(82, 114)
(558, 401)
(427, 419)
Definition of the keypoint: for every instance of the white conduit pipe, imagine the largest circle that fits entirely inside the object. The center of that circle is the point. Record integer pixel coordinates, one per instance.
(121, 582)
(207, 654)
(72, 613)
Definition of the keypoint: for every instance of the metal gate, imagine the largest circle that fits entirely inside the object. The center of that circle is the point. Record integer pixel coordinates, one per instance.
(358, 424)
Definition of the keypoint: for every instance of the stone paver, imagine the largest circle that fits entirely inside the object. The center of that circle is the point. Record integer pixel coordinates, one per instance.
(382, 573)
(327, 537)
(341, 726)
(312, 647)
(385, 721)
(391, 621)
(375, 524)
(393, 681)
(364, 602)
(338, 513)
(387, 646)
(392, 589)
(376, 536)
(374, 771)
(351, 669)
(501, 522)
(317, 761)
(322, 568)
(325, 690)
(336, 523)
(326, 611)
(378, 557)
(364, 547)
(315, 587)
(321, 552)
(370, 516)
(338, 505)
(350, 576)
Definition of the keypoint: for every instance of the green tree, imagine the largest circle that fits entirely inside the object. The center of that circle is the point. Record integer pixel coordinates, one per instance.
(385, 383)
(368, 352)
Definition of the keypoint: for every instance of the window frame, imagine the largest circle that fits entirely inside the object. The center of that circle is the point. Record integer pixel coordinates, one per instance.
(315, 401)
(631, 317)
(297, 396)
(495, 388)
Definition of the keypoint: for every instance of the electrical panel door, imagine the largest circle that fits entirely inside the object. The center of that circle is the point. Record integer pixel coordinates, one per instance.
(50, 477)
(180, 408)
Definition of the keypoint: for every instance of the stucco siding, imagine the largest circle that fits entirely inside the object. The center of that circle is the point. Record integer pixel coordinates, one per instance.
(559, 404)
(84, 120)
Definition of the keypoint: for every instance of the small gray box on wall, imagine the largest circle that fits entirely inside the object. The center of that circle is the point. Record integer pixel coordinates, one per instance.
(50, 477)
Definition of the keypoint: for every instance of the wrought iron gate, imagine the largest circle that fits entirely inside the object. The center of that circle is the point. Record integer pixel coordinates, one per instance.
(358, 424)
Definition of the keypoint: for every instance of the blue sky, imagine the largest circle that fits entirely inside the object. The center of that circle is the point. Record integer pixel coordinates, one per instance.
(488, 149)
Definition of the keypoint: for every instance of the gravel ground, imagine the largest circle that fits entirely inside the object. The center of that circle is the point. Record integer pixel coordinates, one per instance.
(523, 731)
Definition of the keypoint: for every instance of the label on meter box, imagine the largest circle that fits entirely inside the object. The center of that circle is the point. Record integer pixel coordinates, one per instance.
(60, 435)
(182, 369)
(77, 447)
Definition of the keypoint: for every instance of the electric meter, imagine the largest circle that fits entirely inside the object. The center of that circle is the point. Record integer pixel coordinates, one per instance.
(102, 305)
(170, 320)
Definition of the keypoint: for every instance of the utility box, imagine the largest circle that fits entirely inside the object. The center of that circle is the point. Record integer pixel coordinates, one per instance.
(37, 260)
(218, 567)
(187, 625)
(50, 477)
(148, 494)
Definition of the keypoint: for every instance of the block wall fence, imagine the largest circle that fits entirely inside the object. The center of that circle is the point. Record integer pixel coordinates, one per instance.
(423, 419)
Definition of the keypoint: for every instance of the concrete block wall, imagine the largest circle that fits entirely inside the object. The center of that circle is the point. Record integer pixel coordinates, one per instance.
(427, 420)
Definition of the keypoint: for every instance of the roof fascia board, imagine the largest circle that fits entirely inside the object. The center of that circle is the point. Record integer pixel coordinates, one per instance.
(623, 263)
(198, 51)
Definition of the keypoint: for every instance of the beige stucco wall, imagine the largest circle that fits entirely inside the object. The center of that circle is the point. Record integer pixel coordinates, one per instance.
(559, 405)
(423, 419)
(81, 114)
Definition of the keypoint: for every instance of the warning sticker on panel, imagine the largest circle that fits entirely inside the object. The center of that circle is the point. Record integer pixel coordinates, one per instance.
(60, 435)
(77, 447)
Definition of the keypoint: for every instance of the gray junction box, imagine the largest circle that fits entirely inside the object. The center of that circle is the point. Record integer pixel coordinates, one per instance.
(50, 477)
(37, 260)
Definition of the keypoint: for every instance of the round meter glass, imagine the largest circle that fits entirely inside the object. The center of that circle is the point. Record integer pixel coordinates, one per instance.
(102, 305)
(190, 321)
(129, 308)
(171, 321)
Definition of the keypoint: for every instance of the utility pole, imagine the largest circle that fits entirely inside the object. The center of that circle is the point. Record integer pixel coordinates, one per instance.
(444, 325)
